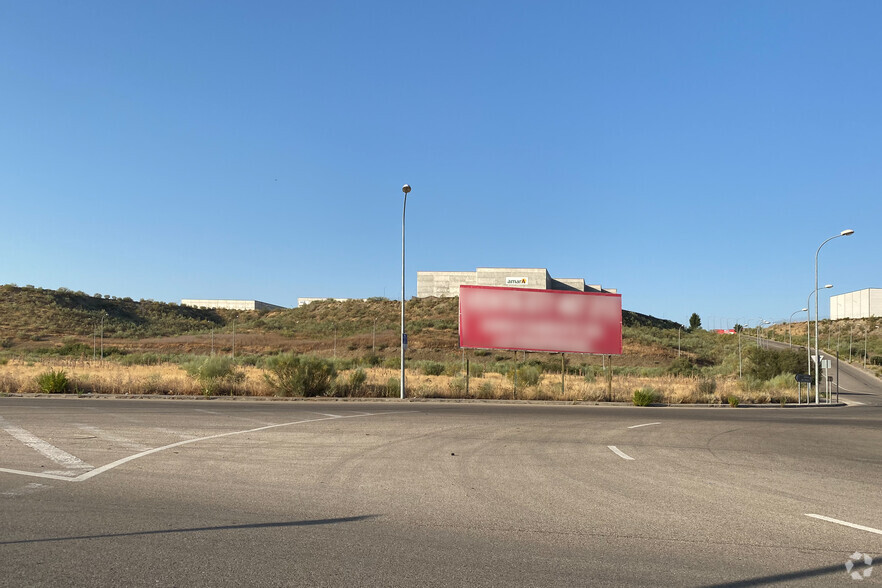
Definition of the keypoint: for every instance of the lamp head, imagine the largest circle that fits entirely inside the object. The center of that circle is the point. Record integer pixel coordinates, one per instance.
(829, 286)
(804, 310)
(847, 232)
(405, 188)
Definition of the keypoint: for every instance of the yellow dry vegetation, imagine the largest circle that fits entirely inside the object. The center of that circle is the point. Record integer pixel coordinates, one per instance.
(108, 377)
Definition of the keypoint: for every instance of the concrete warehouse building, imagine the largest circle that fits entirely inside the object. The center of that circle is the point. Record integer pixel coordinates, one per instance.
(231, 304)
(858, 304)
(446, 284)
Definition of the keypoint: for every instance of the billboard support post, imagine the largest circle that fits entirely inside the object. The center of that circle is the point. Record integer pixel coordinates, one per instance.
(563, 370)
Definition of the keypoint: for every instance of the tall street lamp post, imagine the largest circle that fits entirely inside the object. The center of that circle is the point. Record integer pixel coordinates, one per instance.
(406, 190)
(808, 332)
(844, 233)
(790, 323)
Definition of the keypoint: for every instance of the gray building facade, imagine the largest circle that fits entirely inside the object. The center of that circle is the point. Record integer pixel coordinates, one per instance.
(446, 284)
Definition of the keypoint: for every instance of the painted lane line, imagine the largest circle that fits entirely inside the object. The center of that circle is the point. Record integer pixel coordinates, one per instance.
(57, 455)
(174, 433)
(848, 402)
(845, 523)
(334, 416)
(206, 411)
(643, 425)
(47, 475)
(107, 436)
(620, 453)
(119, 462)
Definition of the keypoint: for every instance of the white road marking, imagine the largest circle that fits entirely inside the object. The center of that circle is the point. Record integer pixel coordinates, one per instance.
(235, 418)
(848, 402)
(845, 523)
(643, 425)
(119, 462)
(174, 433)
(336, 416)
(620, 453)
(100, 470)
(107, 436)
(48, 475)
(57, 455)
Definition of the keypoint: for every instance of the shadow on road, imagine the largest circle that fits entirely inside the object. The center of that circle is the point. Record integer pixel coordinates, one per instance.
(774, 579)
(198, 529)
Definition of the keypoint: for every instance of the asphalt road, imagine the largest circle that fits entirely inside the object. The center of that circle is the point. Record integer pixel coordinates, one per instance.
(856, 386)
(98, 492)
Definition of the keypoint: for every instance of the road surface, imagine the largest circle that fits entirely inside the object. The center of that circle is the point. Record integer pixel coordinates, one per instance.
(97, 492)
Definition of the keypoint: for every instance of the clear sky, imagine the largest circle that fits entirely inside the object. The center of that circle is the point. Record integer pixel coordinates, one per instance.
(693, 155)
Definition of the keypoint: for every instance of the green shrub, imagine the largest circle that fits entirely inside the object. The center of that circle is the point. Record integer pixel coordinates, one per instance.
(214, 373)
(484, 390)
(734, 401)
(53, 382)
(682, 366)
(644, 396)
(457, 386)
(476, 370)
(393, 387)
(432, 368)
(357, 379)
(706, 386)
(294, 375)
(527, 375)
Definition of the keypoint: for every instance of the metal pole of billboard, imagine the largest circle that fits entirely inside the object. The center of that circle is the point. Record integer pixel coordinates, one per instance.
(563, 370)
(844, 233)
(403, 341)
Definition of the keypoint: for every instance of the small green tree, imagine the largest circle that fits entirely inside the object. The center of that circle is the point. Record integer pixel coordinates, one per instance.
(694, 322)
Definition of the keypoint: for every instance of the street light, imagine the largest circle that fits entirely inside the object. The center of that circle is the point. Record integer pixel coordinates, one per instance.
(844, 233)
(790, 323)
(808, 333)
(759, 326)
(406, 190)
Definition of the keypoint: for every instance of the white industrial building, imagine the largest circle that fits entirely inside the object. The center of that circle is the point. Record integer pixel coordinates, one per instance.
(231, 304)
(858, 304)
(446, 284)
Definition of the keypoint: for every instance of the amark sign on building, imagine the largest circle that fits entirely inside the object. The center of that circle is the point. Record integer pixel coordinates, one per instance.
(540, 320)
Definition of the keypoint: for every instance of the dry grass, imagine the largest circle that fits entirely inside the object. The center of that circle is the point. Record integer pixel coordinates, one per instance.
(169, 379)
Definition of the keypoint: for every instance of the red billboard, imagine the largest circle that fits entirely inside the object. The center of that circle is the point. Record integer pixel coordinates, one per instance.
(540, 320)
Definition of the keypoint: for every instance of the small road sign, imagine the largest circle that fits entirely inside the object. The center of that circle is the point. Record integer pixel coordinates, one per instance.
(804, 378)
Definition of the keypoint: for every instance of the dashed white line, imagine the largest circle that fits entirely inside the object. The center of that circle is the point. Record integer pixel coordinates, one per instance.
(57, 455)
(643, 425)
(845, 523)
(620, 453)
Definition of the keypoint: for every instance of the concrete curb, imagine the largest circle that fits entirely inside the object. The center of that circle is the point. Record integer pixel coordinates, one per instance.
(326, 399)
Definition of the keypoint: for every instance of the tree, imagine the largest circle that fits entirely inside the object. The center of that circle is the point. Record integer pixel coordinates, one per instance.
(694, 322)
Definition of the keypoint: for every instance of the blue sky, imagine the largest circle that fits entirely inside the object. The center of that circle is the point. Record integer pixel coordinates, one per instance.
(691, 154)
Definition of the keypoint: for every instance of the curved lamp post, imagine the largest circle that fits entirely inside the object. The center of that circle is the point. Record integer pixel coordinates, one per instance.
(808, 333)
(790, 323)
(844, 233)
(406, 190)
